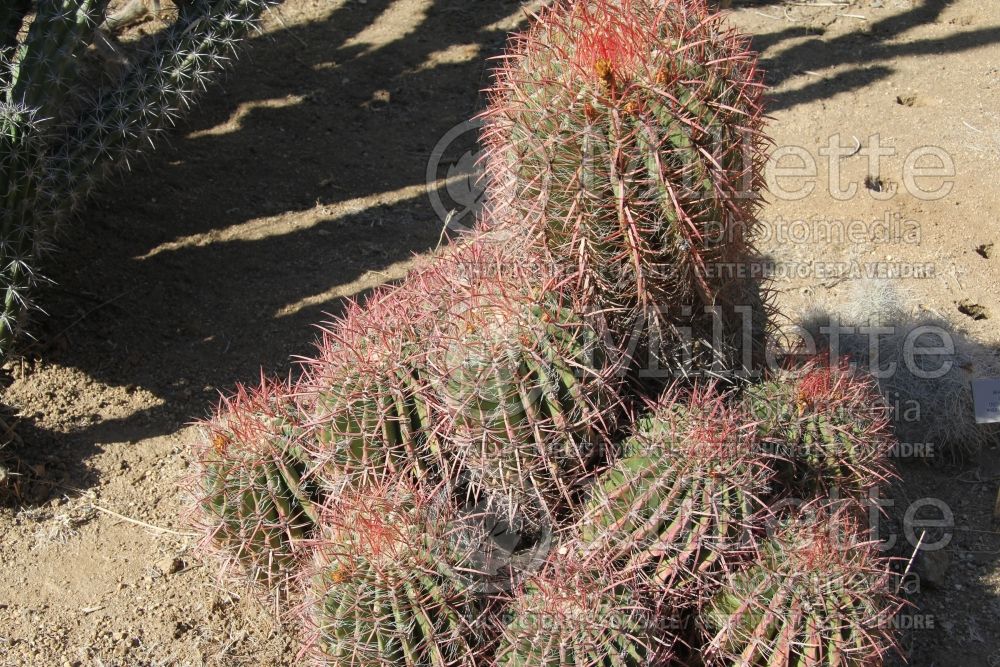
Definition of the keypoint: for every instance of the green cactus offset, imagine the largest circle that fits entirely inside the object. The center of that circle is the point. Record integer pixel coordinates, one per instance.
(684, 499)
(817, 594)
(471, 372)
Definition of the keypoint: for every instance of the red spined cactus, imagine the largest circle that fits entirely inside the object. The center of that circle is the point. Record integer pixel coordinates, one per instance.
(389, 586)
(589, 614)
(818, 594)
(626, 135)
(256, 489)
(826, 427)
(685, 499)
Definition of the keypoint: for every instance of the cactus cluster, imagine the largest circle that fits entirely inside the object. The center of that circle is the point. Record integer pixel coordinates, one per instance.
(467, 471)
(65, 130)
(473, 372)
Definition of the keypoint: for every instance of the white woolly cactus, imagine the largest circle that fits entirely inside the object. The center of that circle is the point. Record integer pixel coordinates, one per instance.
(923, 364)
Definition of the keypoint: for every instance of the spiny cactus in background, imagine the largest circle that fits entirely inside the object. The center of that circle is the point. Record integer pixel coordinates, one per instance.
(588, 615)
(37, 80)
(128, 114)
(826, 428)
(69, 135)
(682, 500)
(45, 70)
(924, 367)
(817, 594)
(389, 585)
(627, 135)
(258, 500)
(472, 372)
(21, 172)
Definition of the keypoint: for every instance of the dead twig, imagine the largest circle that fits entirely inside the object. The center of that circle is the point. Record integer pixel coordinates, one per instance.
(137, 522)
(93, 310)
(909, 563)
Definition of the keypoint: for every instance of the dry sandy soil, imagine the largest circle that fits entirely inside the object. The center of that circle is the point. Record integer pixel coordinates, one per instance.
(301, 181)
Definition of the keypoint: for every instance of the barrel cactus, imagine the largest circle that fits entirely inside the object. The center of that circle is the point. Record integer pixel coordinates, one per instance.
(522, 379)
(472, 372)
(626, 135)
(818, 594)
(365, 401)
(684, 498)
(585, 614)
(826, 427)
(388, 586)
(66, 129)
(257, 496)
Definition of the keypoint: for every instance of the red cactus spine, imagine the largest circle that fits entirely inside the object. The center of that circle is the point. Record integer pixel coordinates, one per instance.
(472, 372)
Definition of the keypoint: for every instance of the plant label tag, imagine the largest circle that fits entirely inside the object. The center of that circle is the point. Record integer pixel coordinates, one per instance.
(986, 395)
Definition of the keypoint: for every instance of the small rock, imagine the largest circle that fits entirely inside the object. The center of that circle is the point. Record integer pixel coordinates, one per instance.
(974, 310)
(985, 250)
(380, 98)
(170, 565)
(180, 629)
(876, 183)
(932, 567)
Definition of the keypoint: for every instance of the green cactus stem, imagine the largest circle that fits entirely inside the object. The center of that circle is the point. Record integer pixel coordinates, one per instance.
(626, 135)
